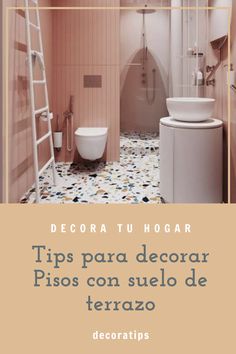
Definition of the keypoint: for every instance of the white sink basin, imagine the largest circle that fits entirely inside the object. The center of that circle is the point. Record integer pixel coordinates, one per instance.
(190, 109)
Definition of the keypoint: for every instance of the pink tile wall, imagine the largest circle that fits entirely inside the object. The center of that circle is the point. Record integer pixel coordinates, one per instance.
(221, 110)
(86, 42)
(233, 111)
(21, 174)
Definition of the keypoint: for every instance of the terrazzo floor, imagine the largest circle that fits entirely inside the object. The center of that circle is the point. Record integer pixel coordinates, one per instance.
(133, 180)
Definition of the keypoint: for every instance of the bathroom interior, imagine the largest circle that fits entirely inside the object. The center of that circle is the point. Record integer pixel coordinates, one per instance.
(138, 97)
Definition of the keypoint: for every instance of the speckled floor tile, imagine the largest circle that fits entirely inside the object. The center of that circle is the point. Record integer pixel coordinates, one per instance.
(132, 180)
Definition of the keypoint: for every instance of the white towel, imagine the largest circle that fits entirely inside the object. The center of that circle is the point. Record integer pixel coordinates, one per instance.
(39, 56)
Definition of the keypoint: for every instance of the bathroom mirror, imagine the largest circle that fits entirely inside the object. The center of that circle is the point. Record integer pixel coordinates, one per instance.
(219, 23)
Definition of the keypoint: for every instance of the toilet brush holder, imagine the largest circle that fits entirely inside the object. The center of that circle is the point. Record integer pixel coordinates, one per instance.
(57, 140)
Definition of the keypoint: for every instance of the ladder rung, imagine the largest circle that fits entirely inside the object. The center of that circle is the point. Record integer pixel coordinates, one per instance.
(44, 137)
(39, 82)
(35, 52)
(34, 26)
(41, 110)
(46, 166)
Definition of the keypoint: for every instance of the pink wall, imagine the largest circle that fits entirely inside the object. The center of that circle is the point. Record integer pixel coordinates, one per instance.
(21, 174)
(233, 111)
(221, 94)
(2, 108)
(86, 42)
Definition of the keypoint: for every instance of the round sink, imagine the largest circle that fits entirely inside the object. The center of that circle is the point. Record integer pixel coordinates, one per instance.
(190, 109)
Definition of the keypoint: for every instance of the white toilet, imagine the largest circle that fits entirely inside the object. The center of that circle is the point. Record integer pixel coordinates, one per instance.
(91, 142)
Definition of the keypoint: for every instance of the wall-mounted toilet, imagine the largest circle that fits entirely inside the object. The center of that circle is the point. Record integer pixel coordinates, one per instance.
(91, 142)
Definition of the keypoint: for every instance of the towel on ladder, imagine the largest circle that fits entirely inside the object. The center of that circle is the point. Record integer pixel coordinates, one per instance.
(39, 56)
